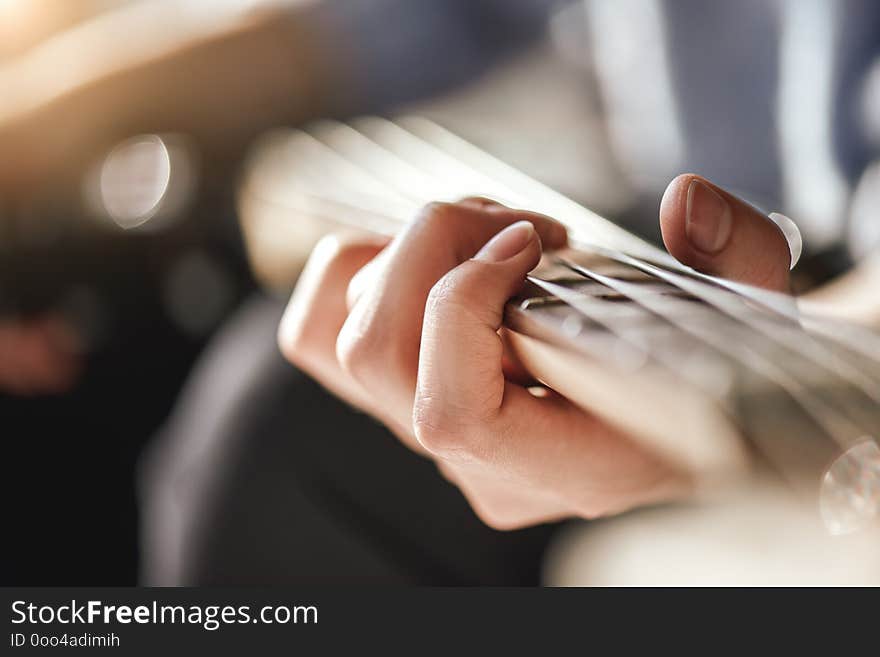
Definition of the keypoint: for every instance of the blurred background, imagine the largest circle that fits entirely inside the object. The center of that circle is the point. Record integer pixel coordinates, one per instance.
(101, 322)
(124, 127)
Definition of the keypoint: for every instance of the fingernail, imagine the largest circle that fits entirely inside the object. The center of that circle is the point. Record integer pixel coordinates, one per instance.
(708, 219)
(508, 243)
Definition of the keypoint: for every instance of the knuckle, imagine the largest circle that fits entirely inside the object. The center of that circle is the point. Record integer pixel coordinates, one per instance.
(366, 355)
(440, 295)
(442, 218)
(463, 287)
(328, 262)
(357, 353)
(336, 254)
(297, 344)
(435, 213)
(441, 433)
(454, 433)
(481, 201)
(435, 432)
(330, 249)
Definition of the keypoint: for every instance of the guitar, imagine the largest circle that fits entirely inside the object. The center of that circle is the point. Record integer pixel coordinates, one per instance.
(717, 377)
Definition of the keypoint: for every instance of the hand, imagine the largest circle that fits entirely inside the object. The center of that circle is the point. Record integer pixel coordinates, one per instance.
(409, 332)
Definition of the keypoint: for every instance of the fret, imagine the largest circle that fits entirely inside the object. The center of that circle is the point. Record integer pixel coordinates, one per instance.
(685, 362)
(786, 335)
(761, 357)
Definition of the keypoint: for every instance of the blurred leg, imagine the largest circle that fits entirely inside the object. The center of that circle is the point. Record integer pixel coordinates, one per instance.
(261, 477)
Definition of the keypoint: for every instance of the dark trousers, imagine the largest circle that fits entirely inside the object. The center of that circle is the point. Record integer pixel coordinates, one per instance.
(261, 477)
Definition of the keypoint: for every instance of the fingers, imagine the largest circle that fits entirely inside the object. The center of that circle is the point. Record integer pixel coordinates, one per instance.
(460, 377)
(420, 349)
(468, 414)
(568, 461)
(379, 343)
(317, 311)
(713, 231)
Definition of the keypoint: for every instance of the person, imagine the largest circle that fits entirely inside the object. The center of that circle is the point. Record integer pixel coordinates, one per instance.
(211, 485)
(213, 74)
(412, 338)
(406, 331)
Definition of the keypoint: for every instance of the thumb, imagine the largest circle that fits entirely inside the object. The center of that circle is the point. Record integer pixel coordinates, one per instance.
(461, 378)
(715, 232)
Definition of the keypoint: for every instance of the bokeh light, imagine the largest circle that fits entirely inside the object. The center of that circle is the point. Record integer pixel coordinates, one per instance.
(850, 496)
(134, 180)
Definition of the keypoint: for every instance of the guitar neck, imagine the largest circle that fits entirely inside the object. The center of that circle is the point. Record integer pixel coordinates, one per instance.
(708, 373)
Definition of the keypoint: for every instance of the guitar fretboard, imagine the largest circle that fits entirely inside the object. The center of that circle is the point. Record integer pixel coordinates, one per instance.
(803, 389)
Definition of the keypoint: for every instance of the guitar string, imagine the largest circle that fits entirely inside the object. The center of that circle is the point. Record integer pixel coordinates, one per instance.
(620, 325)
(335, 140)
(351, 144)
(352, 214)
(865, 388)
(824, 428)
(341, 138)
(860, 340)
(334, 160)
(838, 426)
(354, 217)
